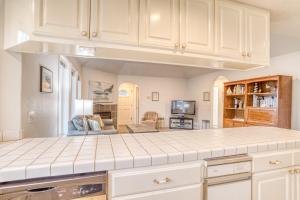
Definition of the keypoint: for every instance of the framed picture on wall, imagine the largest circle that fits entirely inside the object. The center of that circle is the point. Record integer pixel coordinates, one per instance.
(155, 96)
(101, 92)
(46, 80)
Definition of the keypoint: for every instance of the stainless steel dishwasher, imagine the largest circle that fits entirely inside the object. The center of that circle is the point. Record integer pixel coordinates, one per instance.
(83, 186)
(228, 178)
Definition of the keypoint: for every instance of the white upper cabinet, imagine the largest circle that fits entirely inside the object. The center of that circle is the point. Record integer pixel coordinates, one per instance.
(115, 21)
(230, 34)
(159, 24)
(242, 32)
(62, 18)
(258, 35)
(197, 26)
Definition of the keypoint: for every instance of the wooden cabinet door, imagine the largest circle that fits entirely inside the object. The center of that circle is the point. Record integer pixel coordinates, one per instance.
(194, 192)
(159, 24)
(230, 29)
(197, 26)
(275, 185)
(258, 35)
(115, 21)
(62, 18)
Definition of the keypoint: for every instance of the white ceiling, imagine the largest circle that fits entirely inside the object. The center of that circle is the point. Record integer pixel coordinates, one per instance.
(142, 69)
(285, 24)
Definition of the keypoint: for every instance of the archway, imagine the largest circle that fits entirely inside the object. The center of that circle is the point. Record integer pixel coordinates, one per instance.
(128, 104)
(218, 102)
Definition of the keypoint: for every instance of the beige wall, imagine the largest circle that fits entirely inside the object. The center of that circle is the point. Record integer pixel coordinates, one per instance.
(44, 121)
(10, 89)
(282, 65)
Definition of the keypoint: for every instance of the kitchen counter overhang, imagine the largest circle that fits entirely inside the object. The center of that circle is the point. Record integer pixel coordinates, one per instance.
(44, 157)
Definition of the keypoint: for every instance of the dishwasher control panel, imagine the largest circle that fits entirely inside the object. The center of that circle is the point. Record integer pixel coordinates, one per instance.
(228, 169)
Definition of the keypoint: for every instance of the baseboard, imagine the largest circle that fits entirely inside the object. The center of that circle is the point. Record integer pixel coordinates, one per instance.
(11, 135)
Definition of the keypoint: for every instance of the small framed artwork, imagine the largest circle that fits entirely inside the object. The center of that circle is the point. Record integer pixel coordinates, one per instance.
(206, 96)
(46, 80)
(155, 96)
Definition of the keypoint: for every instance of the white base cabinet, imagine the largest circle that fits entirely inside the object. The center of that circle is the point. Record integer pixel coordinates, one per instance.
(276, 176)
(194, 192)
(274, 185)
(171, 182)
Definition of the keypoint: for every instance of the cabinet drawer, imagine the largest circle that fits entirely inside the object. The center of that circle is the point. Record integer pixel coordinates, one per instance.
(277, 160)
(135, 181)
(193, 192)
(262, 116)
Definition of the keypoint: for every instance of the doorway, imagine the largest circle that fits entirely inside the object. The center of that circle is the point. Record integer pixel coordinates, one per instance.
(218, 102)
(128, 104)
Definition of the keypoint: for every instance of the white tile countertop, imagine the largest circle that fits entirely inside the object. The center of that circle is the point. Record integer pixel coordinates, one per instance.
(44, 157)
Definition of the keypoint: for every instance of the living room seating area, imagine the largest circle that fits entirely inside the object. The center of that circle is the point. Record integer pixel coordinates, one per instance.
(90, 125)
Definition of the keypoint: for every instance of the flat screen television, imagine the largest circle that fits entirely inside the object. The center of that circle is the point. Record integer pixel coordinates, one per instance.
(180, 107)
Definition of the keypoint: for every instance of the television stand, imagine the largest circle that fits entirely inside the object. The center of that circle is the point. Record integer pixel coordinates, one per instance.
(181, 123)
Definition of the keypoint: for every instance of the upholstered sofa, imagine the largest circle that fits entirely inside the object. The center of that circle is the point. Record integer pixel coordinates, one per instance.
(108, 129)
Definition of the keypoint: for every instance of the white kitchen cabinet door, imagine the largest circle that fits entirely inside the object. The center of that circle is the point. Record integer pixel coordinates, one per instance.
(159, 24)
(62, 18)
(194, 192)
(230, 29)
(296, 189)
(275, 185)
(258, 35)
(197, 26)
(115, 21)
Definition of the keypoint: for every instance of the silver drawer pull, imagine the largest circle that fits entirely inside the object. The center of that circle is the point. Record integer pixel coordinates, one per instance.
(275, 162)
(162, 181)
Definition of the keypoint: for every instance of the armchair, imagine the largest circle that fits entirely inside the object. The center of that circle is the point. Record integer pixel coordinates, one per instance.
(151, 119)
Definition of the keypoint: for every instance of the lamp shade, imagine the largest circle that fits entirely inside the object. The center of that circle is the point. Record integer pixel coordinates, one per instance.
(88, 107)
(78, 107)
(83, 107)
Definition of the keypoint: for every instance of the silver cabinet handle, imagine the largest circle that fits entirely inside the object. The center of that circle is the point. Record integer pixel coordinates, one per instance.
(176, 45)
(183, 46)
(249, 54)
(244, 54)
(275, 162)
(162, 181)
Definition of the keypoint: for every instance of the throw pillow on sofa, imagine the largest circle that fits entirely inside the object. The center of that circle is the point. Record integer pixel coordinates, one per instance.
(80, 123)
(94, 125)
(99, 120)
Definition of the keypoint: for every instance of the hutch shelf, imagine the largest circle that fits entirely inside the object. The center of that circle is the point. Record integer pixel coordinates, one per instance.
(264, 101)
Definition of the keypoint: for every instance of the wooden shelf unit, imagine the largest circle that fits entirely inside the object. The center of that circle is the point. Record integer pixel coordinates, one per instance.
(268, 105)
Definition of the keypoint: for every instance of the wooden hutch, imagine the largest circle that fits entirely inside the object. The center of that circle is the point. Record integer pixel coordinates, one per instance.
(264, 101)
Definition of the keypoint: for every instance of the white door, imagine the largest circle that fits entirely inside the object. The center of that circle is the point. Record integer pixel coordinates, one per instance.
(126, 105)
(62, 18)
(115, 21)
(296, 185)
(230, 29)
(159, 23)
(274, 185)
(197, 26)
(258, 35)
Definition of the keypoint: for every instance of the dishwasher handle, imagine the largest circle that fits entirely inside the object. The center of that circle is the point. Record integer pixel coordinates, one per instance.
(227, 179)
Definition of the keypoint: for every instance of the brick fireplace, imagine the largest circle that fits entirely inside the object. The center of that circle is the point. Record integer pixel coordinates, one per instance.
(107, 111)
